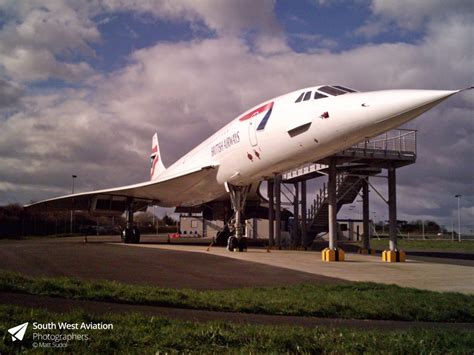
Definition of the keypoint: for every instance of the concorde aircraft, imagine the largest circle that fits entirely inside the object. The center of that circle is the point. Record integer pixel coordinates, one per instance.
(275, 136)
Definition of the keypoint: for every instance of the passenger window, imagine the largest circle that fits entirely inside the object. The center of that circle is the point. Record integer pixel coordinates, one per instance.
(300, 97)
(317, 95)
(307, 96)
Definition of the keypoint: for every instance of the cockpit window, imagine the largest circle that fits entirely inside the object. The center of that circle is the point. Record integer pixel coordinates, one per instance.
(307, 96)
(300, 97)
(344, 88)
(331, 91)
(318, 95)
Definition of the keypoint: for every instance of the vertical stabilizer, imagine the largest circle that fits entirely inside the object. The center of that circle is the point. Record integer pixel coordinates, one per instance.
(157, 167)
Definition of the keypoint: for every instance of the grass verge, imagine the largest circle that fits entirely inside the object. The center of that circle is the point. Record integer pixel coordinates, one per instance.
(135, 333)
(357, 300)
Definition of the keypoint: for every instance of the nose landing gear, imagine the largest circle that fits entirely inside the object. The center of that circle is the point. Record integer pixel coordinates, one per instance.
(131, 235)
(238, 197)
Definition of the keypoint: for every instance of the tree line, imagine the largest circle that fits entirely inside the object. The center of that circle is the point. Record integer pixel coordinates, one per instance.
(417, 226)
(15, 221)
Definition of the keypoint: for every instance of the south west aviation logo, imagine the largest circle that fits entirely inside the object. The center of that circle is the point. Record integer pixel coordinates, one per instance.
(18, 332)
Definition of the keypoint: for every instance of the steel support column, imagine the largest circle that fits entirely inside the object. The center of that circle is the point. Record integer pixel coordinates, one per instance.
(277, 193)
(392, 208)
(294, 231)
(303, 213)
(254, 228)
(238, 213)
(365, 214)
(129, 216)
(332, 204)
(271, 214)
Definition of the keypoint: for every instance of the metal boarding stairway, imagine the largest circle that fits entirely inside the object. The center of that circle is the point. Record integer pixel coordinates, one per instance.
(347, 189)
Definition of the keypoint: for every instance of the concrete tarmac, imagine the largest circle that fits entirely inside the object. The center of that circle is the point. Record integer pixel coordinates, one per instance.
(192, 266)
(104, 258)
(437, 275)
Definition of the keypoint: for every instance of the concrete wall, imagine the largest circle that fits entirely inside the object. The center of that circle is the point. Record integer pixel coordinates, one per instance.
(195, 226)
(350, 229)
(254, 228)
(191, 226)
(258, 228)
(213, 227)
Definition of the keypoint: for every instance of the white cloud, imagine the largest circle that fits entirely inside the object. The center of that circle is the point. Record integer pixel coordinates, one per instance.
(10, 94)
(225, 17)
(36, 35)
(37, 38)
(31, 65)
(372, 28)
(314, 42)
(406, 15)
(411, 14)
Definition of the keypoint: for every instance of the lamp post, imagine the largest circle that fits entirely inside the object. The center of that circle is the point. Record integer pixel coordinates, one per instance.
(459, 216)
(452, 230)
(72, 212)
(374, 214)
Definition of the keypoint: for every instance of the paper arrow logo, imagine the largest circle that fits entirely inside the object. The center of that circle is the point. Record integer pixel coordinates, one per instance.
(18, 332)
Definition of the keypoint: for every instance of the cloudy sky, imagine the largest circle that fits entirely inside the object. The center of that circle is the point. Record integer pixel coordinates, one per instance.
(84, 84)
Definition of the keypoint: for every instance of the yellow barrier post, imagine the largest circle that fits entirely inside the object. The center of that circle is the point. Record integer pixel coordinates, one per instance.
(329, 255)
(390, 256)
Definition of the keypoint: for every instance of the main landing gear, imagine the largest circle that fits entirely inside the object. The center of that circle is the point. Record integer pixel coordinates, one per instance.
(130, 234)
(238, 197)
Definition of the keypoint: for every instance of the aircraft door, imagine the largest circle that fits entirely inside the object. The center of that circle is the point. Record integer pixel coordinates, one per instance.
(253, 131)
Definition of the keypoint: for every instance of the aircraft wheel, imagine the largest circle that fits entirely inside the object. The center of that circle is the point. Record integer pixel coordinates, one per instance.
(242, 244)
(222, 237)
(127, 235)
(232, 243)
(135, 235)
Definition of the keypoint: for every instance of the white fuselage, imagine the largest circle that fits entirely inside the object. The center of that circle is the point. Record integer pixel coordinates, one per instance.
(297, 133)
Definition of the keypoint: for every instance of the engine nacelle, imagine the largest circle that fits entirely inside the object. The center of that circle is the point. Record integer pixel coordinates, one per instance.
(110, 205)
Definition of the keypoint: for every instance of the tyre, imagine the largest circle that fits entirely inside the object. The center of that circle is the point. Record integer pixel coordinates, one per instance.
(243, 244)
(127, 235)
(135, 235)
(222, 237)
(232, 243)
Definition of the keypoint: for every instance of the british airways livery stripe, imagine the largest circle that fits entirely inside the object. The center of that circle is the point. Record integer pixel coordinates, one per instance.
(152, 171)
(257, 111)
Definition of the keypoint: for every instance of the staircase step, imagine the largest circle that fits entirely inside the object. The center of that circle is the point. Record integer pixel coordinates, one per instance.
(349, 188)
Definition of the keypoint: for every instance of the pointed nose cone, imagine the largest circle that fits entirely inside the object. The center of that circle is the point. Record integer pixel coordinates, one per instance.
(396, 107)
(410, 100)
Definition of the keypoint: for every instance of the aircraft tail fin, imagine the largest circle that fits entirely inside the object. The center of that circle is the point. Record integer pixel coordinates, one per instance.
(157, 166)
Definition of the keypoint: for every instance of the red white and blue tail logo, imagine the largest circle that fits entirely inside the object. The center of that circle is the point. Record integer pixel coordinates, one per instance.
(157, 166)
(264, 108)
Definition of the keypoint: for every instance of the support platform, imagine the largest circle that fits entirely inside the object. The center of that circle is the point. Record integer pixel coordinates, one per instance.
(348, 173)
